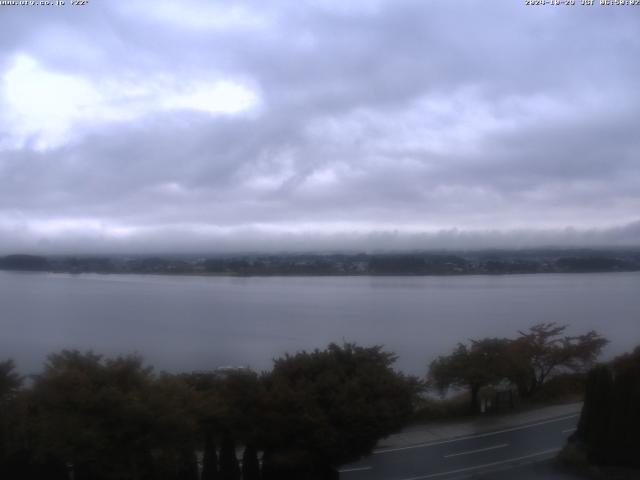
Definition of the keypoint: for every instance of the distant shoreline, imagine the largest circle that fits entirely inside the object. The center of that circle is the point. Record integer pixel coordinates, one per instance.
(417, 264)
(106, 275)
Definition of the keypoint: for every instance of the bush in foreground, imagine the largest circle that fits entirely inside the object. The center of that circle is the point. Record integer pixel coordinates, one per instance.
(114, 418)
(607, 433)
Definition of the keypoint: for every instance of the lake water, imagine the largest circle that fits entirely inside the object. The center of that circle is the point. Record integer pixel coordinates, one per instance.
(186, 323)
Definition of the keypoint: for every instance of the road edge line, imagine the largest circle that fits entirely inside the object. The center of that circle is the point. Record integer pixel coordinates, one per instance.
(469, 437)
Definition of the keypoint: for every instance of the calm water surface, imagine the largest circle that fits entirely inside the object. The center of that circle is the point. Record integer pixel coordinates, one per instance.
(185, 323)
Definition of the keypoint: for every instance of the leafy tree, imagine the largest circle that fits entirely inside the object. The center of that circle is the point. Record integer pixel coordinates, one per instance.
(610, 420)
(10, 381)
(595, 418)
(228, 401)
(171, 403)
(481, 363)
(242, 398)
(107, 417)
(329, 406)
(625, 414)
(543, 350)
(91, 412)
(528, 361)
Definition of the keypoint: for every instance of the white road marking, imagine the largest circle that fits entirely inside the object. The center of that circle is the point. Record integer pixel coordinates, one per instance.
(485, 465)
(470, 437)
(469, 452)
(355, 469)
(502, 468)
(569, 430)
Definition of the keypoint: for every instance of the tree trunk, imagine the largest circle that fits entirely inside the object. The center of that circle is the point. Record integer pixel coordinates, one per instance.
(250, 464)
(229, 468)
(475, 403)
(209, 459)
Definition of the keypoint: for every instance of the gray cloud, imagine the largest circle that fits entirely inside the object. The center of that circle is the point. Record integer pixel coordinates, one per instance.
(255, 125)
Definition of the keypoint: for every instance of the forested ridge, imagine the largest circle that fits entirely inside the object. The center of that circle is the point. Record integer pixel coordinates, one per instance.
(491, 262)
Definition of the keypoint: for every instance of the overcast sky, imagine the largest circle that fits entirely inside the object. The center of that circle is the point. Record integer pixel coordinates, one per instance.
(221, 125)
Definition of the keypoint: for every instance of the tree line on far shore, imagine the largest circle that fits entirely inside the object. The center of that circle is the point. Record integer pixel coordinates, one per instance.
(492, 262)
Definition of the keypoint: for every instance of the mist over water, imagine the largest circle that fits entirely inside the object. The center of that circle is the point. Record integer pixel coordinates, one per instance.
(194, 323)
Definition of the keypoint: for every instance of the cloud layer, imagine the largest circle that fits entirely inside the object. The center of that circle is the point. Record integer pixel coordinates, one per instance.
(249, 125)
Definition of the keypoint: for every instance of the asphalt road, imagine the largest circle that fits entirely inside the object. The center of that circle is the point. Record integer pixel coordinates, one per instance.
(510, 453)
